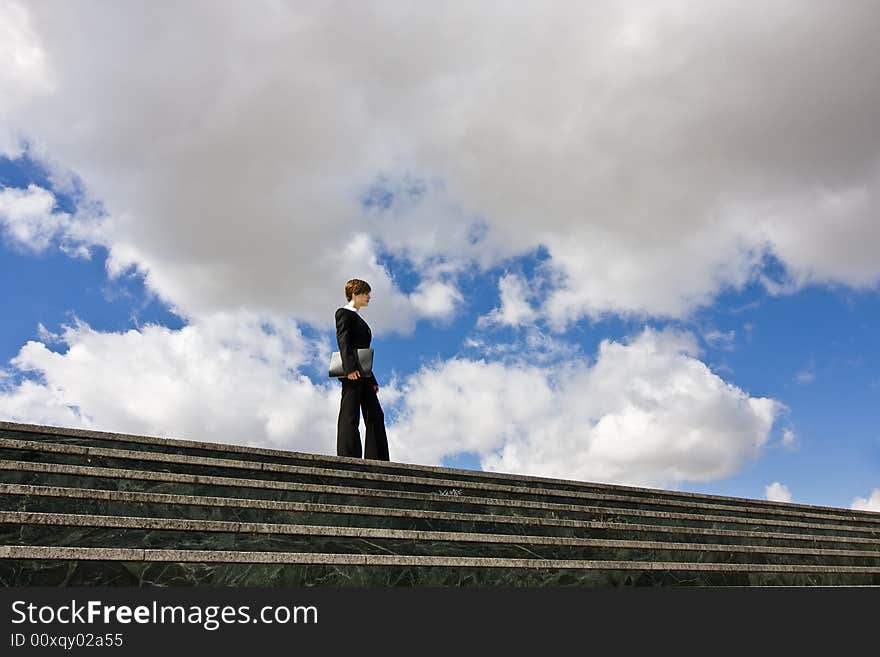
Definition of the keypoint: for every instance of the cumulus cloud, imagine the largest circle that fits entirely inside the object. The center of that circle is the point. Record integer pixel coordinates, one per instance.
(27, 217)
(659, 152)
(250, 159)
(435, 299)
(871, 503)
(540, 347)
(789, 438)
(829, 235)
(647, 412)
(25, 76)
(515, 308)
(777, 492)
(229, 378)
(31, 222)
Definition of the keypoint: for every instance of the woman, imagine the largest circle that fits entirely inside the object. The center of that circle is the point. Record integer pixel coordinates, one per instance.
(358, 391)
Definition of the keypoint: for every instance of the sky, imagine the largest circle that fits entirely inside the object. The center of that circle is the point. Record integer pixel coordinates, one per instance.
(624, 242)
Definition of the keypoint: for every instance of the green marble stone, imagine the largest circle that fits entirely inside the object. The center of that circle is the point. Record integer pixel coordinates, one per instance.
(525, 489)
(361, 494)
(114, 573)
(74, 536)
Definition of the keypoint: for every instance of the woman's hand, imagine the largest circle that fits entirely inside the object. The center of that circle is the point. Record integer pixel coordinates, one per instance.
(375, 389)
(354, 375)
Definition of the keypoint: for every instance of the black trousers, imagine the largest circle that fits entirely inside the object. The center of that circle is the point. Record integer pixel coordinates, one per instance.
(358, 395)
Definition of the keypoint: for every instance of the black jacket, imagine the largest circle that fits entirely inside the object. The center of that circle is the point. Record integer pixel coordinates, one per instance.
(352, 333)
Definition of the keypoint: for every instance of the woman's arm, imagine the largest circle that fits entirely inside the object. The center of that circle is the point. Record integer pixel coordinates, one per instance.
(343, 339)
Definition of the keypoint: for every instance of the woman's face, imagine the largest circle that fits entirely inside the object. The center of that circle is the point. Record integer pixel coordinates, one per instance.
(361, 300)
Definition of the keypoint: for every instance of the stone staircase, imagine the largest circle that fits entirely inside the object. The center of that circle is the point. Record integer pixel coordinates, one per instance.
(81, 508)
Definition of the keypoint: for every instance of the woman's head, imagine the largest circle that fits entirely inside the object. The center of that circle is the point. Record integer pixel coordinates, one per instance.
(356, 287)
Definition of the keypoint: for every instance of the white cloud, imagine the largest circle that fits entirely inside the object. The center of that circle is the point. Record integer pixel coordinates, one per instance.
(515, 308)
(789, 438)
(871, 503)
(534, 345)
(30, 221)
(227, 379)
(830, 235)
(27, 217)
(24, 74)
(646, 413)
(655, 158)
(777, 492)
(435, 299)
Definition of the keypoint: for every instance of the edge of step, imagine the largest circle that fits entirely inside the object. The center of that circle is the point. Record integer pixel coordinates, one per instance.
(745, 505)
(26, 552)
(302, 487)
(316, 507)
(174, 524)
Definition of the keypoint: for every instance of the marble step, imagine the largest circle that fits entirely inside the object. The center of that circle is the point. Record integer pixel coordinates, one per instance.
(35, 451)
(610, 530)
(112, 479)
(86, 477)
(72, 566)
(77, 530)
(45, 499)
(169, 446)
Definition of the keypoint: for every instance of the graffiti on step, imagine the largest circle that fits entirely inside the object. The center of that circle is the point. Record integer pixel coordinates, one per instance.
(451, 492)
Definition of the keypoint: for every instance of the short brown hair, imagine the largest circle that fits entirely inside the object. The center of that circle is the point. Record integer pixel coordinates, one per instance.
(355, 286)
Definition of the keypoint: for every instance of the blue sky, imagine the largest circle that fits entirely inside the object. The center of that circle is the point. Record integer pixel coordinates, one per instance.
(634, 290)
